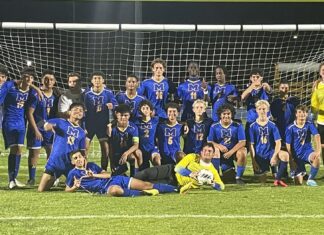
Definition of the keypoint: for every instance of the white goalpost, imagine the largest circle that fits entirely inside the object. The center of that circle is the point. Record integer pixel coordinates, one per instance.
(290, 52)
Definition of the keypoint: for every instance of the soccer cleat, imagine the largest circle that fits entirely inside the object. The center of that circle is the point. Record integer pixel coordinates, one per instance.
(19, 184)
(12, 185)
(31, 182)
(280, 183)
(151, 192)
(239, 181)
(184, 189)
(311, 183)
(56, 182)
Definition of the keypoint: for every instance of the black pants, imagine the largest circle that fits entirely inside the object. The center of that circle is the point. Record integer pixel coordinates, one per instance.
(158, 174)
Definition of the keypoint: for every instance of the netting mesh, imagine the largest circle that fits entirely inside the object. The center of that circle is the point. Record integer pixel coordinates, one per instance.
(119, 53)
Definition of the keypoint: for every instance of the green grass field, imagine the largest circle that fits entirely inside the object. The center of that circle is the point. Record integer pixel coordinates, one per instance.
(251, 209)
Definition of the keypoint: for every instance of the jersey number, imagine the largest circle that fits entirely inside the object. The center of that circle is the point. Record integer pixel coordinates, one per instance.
(159, 95)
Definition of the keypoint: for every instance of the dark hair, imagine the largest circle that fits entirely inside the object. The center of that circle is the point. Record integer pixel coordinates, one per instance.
(48, 71)
(145, 102)
(28, 71)
(283, 81)
(301, 107)
(224, 70)
(123, 108)
(98, 73)
(76, 105)
(225, 106)
(208, 144)
(74, 74)
(172, 105)
(3, 70)
(255, 71)
(132, 76)
(74, 152)
(158, 61)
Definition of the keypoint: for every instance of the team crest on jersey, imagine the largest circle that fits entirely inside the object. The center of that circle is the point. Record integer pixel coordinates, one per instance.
(97, 100)
(301, 135)
(219, 91)
(158, 86)
(144, 126)
(170, 132)
(264, 133)
(73, 134)
(49, 102)
(131, 104)
(21, 99)
(123, 139)
(226, 135)
(199, 128)
(193, 87)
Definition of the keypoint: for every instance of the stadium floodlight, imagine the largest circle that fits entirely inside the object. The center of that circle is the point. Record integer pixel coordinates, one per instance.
(29, 62)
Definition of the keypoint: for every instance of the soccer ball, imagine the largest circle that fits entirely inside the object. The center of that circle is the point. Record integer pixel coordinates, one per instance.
(205, 177)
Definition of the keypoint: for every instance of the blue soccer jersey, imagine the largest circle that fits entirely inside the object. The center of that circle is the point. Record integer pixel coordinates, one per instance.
(227, 136)
(219, 97)
(300, 138)
(255, 95)
(157, 93)
(283, 113)
(147, 133)
(188, 92)
(133, 103)
(169, 141)
(67, 138)
(197, 135)
(264, 139)
(97, 112)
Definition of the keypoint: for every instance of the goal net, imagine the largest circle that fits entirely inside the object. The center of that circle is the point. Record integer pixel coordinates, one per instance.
(292, 55)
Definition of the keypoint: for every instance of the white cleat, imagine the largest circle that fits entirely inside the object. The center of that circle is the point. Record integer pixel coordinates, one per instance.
(56, 182)
(12, 185)
(19, 184)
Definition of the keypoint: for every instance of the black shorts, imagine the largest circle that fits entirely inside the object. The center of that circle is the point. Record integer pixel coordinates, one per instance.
(320, 129)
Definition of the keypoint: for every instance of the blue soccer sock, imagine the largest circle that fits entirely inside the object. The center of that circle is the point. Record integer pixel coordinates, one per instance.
(216, 163)
(282, 170)
(165, 188)
(17, 165)
(131, 193)
(11, 166)
(240, 171)
(32, 172)
(313, 173)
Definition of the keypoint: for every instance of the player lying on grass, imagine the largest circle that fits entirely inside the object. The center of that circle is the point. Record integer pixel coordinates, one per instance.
(299, 146)
(265, 145)
(192, 171)
(89, 177)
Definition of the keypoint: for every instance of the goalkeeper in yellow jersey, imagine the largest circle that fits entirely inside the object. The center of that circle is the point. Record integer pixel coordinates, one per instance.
(191, 172)
(317, 104)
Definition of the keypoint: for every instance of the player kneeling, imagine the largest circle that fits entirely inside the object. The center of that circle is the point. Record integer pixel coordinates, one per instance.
(265, 145)
(299, 146)
(89, 177)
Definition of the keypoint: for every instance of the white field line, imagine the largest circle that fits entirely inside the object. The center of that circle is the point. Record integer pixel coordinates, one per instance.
(163, 216)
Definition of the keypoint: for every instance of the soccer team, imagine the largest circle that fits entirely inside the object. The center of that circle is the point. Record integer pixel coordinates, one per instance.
(145, 130)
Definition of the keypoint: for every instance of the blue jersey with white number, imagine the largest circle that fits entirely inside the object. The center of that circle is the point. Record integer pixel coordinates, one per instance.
(227, 136)
(133, 103)
(219, 97)
(157, 93)
(255, 95)
(188, 92)
(147, 131)
(300, 138)
(97, 112)
(122, 140)
(169, 139)
(67, 138)
(264, 138)
(197, 135)
(13, 100)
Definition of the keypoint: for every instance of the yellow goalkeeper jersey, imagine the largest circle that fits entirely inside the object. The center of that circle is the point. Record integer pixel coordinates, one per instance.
(317, 102)
(192, 162)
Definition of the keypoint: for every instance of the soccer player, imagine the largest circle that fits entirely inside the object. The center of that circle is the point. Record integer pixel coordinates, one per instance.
(147, 125)
(69, 136)
(130, 96)
(98, 101)
(222, 91)
(192, 89)
(229, 140)
(266, 144)
(186, 171)
(13, 96)
(40, 110)
(90, 177)
(198, 128)
(3, 79)
(123, 142)
(168, 136)
(157, 88)
(299, 145)
(72, 95)
(317, 104)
